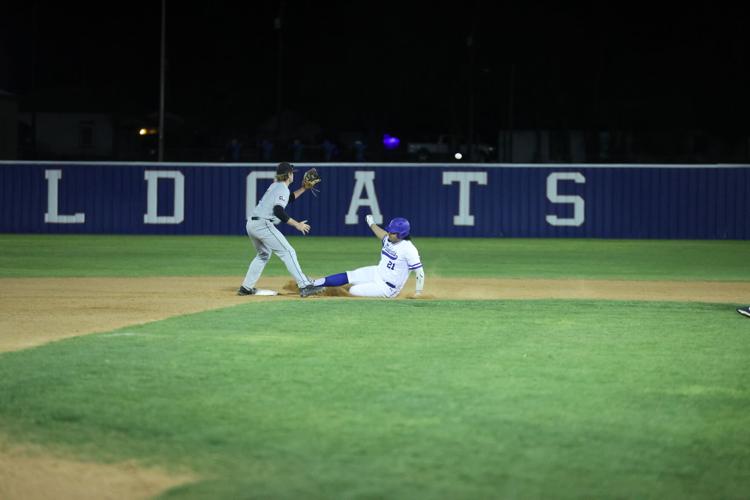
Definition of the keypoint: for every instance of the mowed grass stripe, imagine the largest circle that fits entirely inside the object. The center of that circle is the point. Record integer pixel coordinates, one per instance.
(443, 399)
(133, 255)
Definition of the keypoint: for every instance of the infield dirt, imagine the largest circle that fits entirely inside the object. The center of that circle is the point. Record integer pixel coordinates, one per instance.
(35, 311)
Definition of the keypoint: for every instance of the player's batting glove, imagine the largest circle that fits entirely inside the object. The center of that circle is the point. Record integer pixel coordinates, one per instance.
(370, 220)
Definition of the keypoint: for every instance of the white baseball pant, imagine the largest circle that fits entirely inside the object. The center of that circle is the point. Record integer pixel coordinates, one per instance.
(267, 239)
(367, 283)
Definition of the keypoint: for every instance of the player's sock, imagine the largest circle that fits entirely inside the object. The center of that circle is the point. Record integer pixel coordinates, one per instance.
(332, 280)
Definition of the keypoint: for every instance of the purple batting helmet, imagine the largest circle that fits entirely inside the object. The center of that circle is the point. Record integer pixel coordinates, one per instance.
(400, 226)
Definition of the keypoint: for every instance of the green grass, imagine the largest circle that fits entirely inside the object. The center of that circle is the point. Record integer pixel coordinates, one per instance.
(384, 399)
(401, 399)
(84, 255)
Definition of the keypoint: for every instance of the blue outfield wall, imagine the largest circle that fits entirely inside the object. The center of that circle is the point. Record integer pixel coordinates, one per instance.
(455, 200)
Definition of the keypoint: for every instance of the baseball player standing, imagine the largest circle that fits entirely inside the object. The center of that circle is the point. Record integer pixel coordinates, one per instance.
(261, 228)
(398, 257)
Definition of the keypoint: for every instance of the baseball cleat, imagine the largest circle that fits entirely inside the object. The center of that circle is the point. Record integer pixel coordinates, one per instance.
(310, 290)
(745, 311)
(244, 291)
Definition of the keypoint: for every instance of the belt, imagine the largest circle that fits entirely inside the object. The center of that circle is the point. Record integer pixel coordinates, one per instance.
(390, 284)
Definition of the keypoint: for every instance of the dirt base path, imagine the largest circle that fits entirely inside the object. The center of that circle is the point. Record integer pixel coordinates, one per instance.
(35, 311)
(31, 473)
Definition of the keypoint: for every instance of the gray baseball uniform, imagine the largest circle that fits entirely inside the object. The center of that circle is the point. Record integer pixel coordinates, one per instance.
(267, 239)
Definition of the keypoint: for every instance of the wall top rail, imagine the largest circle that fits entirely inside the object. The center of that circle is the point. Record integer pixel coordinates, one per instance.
(7, 163)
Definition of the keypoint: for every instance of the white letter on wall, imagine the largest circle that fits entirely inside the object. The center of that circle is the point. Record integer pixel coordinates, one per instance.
(53, 178)
(251, 190)
(178, 212)
(464, 179)
(364, 181)
(576, 201)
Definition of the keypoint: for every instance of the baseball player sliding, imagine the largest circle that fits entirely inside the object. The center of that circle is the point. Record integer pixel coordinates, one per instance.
(398, 257)
(267, 239)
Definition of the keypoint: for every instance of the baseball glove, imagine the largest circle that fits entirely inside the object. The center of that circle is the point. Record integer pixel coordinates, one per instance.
(310, 179)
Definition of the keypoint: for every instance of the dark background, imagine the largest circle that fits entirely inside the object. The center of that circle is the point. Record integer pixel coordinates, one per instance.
(344, 70)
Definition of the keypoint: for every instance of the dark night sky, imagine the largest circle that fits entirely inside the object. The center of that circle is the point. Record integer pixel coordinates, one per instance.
(380, 66)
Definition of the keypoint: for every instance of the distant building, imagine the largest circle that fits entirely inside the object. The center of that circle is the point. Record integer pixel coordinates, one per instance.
(75, 136)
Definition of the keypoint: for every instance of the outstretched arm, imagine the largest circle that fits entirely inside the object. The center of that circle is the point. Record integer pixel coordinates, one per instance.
(419, 273)
(298, 193)
(380, 233)
(302, 227)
